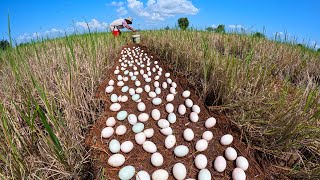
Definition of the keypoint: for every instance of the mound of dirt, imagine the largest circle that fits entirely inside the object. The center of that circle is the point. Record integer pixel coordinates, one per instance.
(139, 158)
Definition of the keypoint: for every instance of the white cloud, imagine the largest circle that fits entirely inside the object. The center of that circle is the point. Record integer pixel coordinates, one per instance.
(122, 11)
(158, 10)
(54, 32)
(115, 3)
(232, 26)
(214, 25)
(93, 24)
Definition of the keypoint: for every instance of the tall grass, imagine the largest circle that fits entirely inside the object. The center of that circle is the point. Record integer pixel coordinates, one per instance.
(270, 90)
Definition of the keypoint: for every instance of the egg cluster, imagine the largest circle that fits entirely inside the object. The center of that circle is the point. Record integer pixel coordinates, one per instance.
(137, 66)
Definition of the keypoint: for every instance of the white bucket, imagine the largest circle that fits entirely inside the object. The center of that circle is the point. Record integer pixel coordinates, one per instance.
(136, 38)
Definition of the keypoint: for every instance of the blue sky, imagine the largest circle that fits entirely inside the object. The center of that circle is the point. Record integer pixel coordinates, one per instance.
(31, 18)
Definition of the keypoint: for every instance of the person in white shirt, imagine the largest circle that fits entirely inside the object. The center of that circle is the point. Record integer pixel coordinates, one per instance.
(118, 24)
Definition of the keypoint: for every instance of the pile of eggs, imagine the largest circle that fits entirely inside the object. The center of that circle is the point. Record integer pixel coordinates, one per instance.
(138, 67)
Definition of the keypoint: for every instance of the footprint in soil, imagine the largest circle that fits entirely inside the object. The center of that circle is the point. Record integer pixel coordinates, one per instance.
(152, 128)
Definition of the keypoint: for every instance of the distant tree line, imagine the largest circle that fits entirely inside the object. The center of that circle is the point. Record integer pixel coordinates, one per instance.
(4, 44)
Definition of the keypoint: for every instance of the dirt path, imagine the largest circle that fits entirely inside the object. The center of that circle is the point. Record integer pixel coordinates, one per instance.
(139, 158)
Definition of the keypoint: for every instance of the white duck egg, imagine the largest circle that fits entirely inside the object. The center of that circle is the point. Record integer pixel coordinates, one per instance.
(196, 109)
(188, 134)
(155, 114)
(201, 161)
(159, 74)
(125, 79)
(148, 80)
(207, 135)
(130, 74)
(116, 71)
(186, 94)
(156, 84)
(121, 130)
(163, 123)
(226, 139)
(132, 119)
(160, 174)
(210, 122)
(135, 68)
(164, 85)
(170, 97)
(126, 172)
(173, 90)
(137, 83)
(111, 121)
(156, 159)
(122, 115)
(172, 118)
(124, 89)
(230, 154)
(182, 109)
(170, 141)
(142, 175)
(133, 78)
(204, 174)
(119, 77)
(107, 132)
(158, 90)
(242, 163)
(220, 164)
(114, 98)
(147, 88)
(157, 77)
(116, 160)
(238, 174)
(154, 69)
(109, 89)
(169, 81)
(145, 76)
(124, 98)
(201, 145)
(143, 117)
(174, 84)
(135, 97)
(141, 106)
(149, 147)
(136, 73)
(114, 146)
(169, 108)
(141, 71)
(181, 150)
(120, 83)
(179, 171)
(149, 73)
(111, 82)
(194, 117)
(138, 127)
(148, 132)
(139, 90)
(166, 131)
(126, 146)
(152, 94)
(132, 91)
(167, 75)
(140, 138)
(188, 103)
(156, 101)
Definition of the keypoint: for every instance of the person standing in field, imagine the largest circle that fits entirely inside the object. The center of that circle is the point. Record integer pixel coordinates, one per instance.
(118, 24)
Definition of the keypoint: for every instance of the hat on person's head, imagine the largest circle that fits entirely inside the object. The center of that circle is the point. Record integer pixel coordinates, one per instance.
(129, 19)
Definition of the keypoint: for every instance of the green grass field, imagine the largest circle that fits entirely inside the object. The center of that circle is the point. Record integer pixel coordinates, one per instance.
(270, 90)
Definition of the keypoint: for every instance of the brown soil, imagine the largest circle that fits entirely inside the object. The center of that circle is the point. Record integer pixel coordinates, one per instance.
(141, 159)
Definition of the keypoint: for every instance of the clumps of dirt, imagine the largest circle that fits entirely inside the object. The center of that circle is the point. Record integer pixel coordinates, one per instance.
(140, 159)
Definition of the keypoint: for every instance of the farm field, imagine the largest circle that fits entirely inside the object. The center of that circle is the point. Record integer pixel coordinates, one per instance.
(265, 93)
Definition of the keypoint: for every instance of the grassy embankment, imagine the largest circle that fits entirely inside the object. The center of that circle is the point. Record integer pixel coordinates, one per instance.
(270, 90)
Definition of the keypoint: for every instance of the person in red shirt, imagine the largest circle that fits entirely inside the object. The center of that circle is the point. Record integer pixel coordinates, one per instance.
(118, 24)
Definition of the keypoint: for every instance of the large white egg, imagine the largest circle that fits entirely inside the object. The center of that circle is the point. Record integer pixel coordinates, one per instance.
(125, 79)
(114, 98)
(210, 122)
(147, 88)
(139, 90)
(169, 81)
(201, 145)
(164, 85)
(115, 107)
(152, 94)
(126, 146)
(160, 174)
(141, 106)
(156, 84)
(201, 161)
(116, 71)
(137, 83)
(109, 89)
(207, 135)
(169, 108)
(119, 77)
(124, 98)
(230, 154)
(238, 174)
(170, 141)
(220, 164)
(182, 109)
(148, 132)
(157, 90)
(132, 91)
(120, 83)
(111, 82)
(111, 121)
(166, 131)
(142, 175)
(157, 77)
(242, 163)
(156, 159)
(132, 119)
(163, 123)
(149, 147)
(172, 118)
(126, 173)
(204, 174)
(167, 75)
(122, 115)
(114, 146)
(194, 117)
(181, 150)
(140, 138)
(107, 132)
(173, 90)
(143, 117)
(156, 101)
(121, 130)
(189, 103)
(196, 109)
(188, 134)
(116, 160)
(155, 114)
(226, 139)
(148, 80)
(179, 171)
(135, 97)
(174, 84)
(170, 97)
